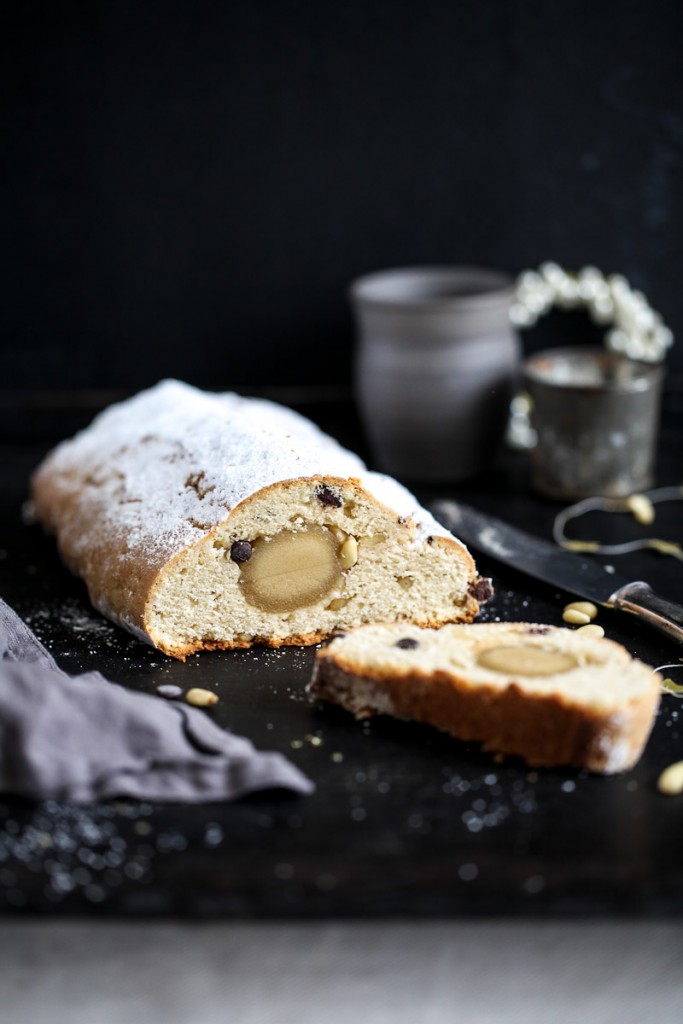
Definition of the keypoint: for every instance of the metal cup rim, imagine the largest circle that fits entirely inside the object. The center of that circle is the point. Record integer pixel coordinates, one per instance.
(646, 374)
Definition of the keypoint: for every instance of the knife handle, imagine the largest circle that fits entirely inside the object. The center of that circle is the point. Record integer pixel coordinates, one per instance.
(639, 599)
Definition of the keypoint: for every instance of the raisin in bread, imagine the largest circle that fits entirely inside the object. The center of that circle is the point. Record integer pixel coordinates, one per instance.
(549, 695)
(204, 520)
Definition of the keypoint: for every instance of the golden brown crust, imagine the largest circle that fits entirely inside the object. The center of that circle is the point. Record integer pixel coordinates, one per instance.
(545, 729)
(297, 639)
(118, 579)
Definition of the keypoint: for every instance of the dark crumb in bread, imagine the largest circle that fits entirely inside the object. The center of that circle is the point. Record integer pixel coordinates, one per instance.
(481, 589)
(328, 497)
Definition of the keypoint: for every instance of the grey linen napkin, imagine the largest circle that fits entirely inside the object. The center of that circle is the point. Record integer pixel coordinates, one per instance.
(84, 739)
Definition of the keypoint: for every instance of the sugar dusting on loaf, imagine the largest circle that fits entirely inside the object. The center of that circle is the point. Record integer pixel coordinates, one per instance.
(151, 503)
(169, 464)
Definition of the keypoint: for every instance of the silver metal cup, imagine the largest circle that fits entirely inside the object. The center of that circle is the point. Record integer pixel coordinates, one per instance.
(596, 417)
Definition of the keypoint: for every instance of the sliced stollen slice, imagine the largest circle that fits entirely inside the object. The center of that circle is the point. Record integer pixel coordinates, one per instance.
(202, 520)
(549, 695)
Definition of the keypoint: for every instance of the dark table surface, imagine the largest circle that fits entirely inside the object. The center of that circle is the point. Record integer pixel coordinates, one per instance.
(405, 821)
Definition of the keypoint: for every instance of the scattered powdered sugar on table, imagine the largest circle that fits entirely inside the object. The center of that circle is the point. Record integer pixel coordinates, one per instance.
(80, 849)
(87, 851)
(490, 805)
(50, 621)
(671, 721)
(505, 606)
(71, 614)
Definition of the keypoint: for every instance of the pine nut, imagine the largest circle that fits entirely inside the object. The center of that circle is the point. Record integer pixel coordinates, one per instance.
(574, 617)
(587, 607)
(641, 508)
(671, 779)
(348, 553)
(200, 698)
(591, 629)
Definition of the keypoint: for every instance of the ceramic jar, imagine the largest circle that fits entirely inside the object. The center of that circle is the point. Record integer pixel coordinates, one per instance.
(436, 367)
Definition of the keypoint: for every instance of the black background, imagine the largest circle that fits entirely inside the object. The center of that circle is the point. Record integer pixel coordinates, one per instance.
(188, 187)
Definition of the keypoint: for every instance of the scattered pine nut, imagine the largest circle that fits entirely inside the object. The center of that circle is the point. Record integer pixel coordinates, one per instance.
(671, 779)
(641, 508)
(591, 629)
(574, 617)
(200, 698)
(587, 607)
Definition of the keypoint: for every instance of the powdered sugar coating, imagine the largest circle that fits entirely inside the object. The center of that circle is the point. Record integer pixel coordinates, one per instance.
(168, 465)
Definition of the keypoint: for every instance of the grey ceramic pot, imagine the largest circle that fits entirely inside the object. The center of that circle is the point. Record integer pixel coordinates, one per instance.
(436, 366)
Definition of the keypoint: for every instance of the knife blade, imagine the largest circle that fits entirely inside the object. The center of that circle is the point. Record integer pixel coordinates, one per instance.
(548, 562)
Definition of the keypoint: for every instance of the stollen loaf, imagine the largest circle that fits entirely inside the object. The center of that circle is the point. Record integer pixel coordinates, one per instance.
(201, 520)
(549, 695)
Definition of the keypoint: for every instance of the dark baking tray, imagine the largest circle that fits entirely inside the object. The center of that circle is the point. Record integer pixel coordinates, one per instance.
(404, 821)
